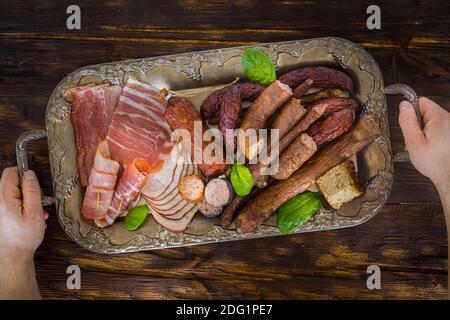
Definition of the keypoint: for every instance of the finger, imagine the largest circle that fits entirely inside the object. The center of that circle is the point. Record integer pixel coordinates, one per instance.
(410, 125)
(46, 215)
(31, 192)
(9, 183)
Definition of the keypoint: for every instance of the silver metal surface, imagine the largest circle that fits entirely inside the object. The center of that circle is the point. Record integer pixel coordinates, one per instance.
(22, 158)
(411, 96)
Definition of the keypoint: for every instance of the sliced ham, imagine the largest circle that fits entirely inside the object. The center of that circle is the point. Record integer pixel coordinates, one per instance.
(160, 184)
(169, 196)
(175, 225)
(138, 128)
(101, 184)
(182, 209)
(172, 193)
(92, 109)
(161, 191)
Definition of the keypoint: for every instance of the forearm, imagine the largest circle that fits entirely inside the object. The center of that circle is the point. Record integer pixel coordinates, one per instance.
(18, 279)
(444, 194)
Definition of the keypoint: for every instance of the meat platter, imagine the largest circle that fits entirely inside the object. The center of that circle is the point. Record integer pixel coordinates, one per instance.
(194, 77)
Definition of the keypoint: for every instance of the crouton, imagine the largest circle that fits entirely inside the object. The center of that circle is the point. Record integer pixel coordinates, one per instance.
(340, 184)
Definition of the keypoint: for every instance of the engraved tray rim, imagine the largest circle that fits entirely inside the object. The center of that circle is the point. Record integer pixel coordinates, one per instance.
(189, 63)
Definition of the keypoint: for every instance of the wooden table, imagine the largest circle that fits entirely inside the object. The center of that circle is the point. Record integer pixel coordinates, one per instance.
(407, 239)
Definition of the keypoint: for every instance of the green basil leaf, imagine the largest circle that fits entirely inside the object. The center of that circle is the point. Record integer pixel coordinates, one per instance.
(297, 211)
(136, 217)
(241, 179)
(258, 67)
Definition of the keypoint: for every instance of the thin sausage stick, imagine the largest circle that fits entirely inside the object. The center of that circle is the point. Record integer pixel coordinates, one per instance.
(288, 117)
(270, 100)
(311, 116)
(237, 202)
(296, 154)
(260, 179)
(292, 111)
(303, 88)
(322, 94)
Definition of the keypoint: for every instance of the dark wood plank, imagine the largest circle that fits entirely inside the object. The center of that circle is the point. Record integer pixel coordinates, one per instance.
(317, 265)
(37, 71)
(400, 18)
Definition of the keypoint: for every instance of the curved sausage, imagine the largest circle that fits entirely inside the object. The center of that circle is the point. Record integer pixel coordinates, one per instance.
(323, 77)
(272, 98)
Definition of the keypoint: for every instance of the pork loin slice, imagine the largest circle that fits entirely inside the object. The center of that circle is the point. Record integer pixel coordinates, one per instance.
(160, 184)
(172, 193)
(172, 207)
(175, 225)
(176, 206)
(181, 212)
(168, 207)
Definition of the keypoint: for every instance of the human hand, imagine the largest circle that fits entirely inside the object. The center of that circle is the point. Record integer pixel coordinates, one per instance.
(429, 149)
(22, 221)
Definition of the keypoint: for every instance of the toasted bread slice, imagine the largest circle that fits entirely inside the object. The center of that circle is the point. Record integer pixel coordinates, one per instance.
(340, 184)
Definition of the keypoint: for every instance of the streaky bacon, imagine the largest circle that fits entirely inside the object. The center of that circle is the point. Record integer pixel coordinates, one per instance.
(127, 190)
(138, 128)
(92, 110)
(101, 184)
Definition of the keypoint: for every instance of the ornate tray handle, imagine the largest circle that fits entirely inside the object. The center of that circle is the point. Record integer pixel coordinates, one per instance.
(22, 158)
(411, 96)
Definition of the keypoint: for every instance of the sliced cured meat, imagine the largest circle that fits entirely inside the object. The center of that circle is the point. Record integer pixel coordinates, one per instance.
(128, 188)
(160, 184)
(177, 211)
(172, 190)
(323, 77)
(174, 206)
(102, 182)
(138, 128)
(256, 117)
(162, 195)
(175, 225)
(92, 109)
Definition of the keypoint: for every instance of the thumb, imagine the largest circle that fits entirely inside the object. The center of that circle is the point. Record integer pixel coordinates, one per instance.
(410, 126)
(31, 193)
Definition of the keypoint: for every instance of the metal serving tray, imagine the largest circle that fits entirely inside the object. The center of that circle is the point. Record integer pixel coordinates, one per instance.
(202, 69)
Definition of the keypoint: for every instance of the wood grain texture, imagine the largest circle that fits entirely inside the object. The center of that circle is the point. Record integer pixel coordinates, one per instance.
(407, 239)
